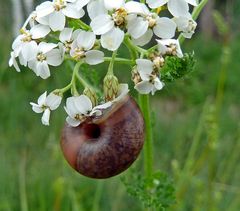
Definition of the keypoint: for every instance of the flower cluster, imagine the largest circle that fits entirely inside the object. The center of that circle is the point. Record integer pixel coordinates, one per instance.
(79, 30)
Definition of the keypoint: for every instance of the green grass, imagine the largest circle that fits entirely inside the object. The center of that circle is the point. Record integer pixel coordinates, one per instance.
(35, 176)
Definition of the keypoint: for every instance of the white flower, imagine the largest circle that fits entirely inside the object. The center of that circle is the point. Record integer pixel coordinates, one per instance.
(108, 25)
(67, 36)
(25, 46)
(186, 25)
(142, 27)
(81, 48)
(150, 81)
(80, 108)
(57, 11)
(45, 105)
(170, 47)
(176, 7)
(45, 54)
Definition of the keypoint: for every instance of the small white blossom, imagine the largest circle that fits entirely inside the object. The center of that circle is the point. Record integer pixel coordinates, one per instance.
(150, 81)
(81, 48)
(67, 36)
(109, 19)
(104, 24)
(170, 47)
(176, 7)
(45, 105)
(80, 108)
(25, 46)
(45, 54)
(142, 27)
(186, 25)
(57, 11)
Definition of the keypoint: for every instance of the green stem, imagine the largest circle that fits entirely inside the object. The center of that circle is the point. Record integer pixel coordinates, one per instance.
(73, 81)
(119, 60)
(134, 50)
(148, 146)
(110, 68)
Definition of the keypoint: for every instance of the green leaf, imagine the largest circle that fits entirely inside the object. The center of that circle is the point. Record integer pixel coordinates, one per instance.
(176, 68)
(156, 192)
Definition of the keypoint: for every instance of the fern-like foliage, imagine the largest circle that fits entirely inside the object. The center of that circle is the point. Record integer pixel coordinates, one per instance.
(176, 68)
(156, 192)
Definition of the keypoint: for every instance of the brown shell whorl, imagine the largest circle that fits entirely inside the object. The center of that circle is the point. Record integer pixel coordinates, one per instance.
(104, 147)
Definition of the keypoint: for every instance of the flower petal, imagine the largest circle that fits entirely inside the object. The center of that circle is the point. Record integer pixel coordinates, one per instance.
(45, 9)
(96, 8)
(83, 104)
(122, 92)
(53, 101)
(145, 39)
(72, 12)
(36, 108)
(29, 50)
(113, 39)
(133, 7)
(137, 27)
(156, 3)
(43, 70)
(66, 35)
(102, 24)
(73, 122)
(144, 87)
(145, 68)
(86, 40)
(165, 28)
(46, 117)
(42, 99)
(178, 7)
(46, 47)
(71, 107)
(81, 3)
(13, 62)
(39, 31)
(57, 21)
(192, 2)
(54, 57)
(158, 84)
(94, 57)
(116, 4)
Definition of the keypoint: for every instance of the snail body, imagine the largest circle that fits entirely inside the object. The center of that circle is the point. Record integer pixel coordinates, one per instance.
(105, 146)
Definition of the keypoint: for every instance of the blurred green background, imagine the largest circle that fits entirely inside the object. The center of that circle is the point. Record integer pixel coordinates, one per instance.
(196, 128)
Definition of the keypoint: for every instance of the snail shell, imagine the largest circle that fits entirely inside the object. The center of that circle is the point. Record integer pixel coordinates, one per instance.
(106, 146)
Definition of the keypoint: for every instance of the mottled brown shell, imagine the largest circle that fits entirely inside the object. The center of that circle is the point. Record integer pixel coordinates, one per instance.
(106, 146)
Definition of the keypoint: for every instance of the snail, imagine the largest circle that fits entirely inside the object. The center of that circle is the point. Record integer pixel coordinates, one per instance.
(102, 147)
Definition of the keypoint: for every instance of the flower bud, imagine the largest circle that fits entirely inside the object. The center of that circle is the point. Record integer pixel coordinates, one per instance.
(111, 87)
(89, 92)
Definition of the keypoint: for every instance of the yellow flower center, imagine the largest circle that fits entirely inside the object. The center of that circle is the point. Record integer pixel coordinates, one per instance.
(151, 21)
(79, 53)
(59, 4)
(119, 17)
(41, 57)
